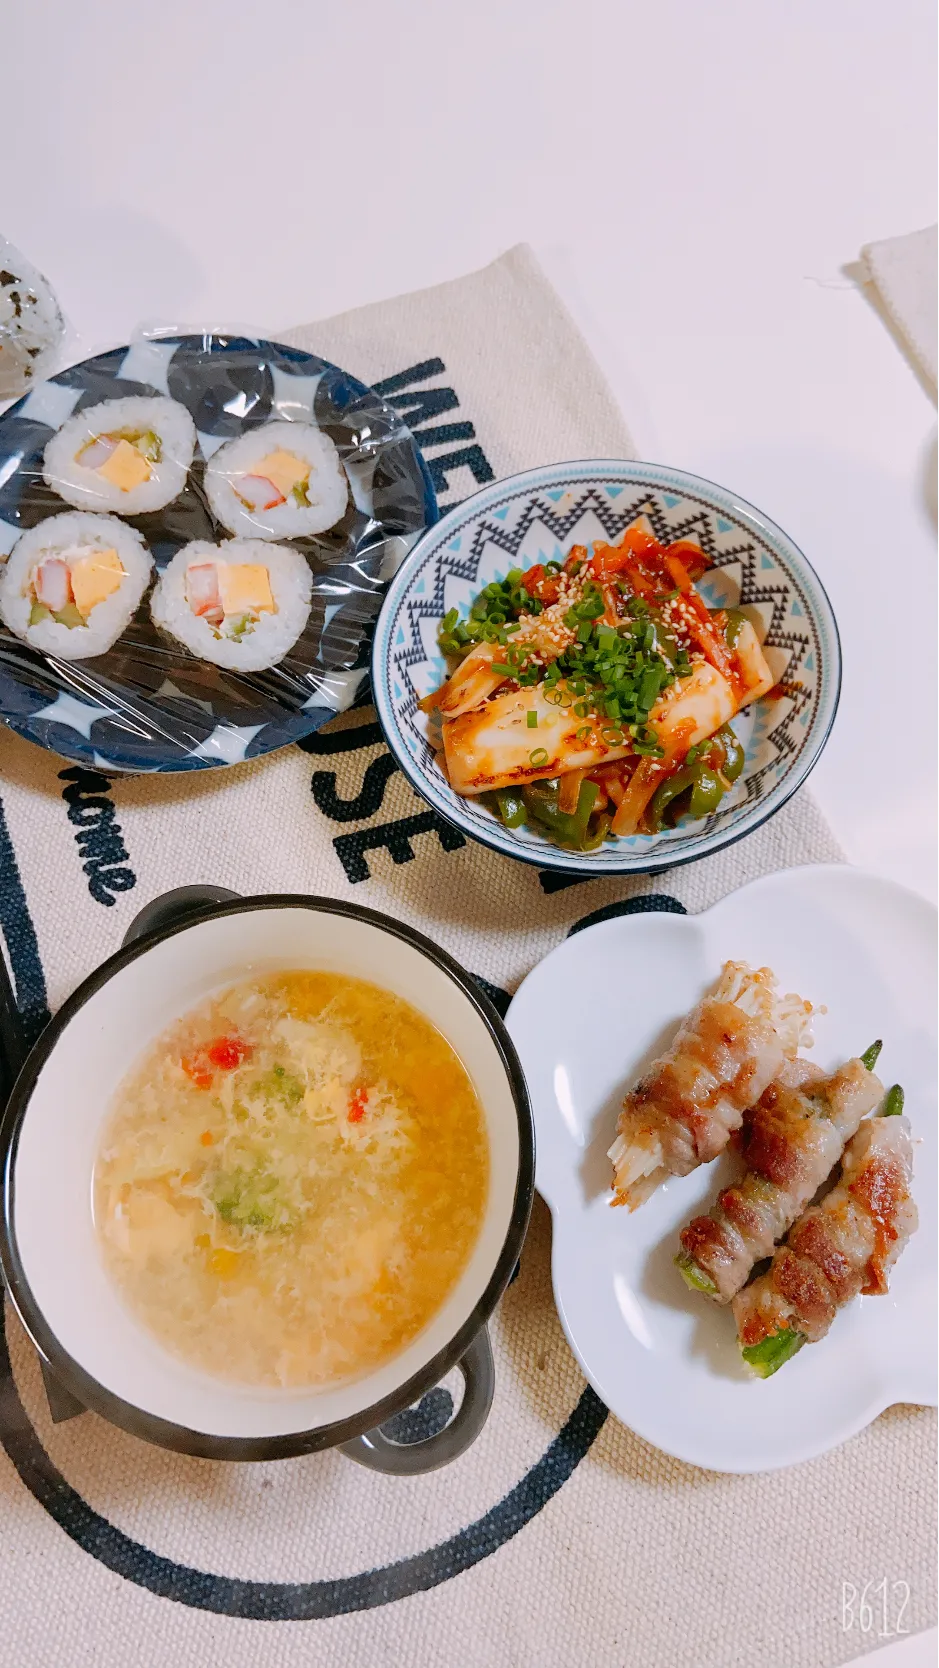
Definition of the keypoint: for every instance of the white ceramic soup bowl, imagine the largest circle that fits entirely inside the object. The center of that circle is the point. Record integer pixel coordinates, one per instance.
(51, 1258)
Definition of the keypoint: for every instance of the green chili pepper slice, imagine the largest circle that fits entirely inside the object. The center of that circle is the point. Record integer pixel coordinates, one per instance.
(707, 792)
(735, 756)
(773, 1352)
(511, 808)
(597, 831)
(663, 796)
(735, 619)
(569, 829)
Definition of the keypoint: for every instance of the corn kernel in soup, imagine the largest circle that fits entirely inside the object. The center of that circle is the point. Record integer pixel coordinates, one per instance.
(292, 1181)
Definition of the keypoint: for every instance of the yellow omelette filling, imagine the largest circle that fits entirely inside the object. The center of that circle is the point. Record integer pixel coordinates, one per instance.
(245, 594)
(244, 588)
(126, 467)
(123, 460)
(229, 596)
(67, 588)
(95, 578)
(288, 475)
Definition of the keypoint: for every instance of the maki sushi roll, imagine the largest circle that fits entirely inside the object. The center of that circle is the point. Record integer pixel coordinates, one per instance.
(71, 584)
(128, 455)
(278, 481)
(241, 604)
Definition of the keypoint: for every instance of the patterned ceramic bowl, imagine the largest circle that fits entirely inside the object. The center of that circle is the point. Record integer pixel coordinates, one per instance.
(538, 517)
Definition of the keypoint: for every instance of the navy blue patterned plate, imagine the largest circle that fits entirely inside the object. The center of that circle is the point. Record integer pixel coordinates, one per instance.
(147, 705)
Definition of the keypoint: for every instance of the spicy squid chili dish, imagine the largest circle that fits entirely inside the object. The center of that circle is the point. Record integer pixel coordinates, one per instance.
(593, 699)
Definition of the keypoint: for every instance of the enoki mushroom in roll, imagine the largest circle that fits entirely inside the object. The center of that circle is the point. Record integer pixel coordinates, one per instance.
(727, 1052)
(843, 1246)
(791, 1143)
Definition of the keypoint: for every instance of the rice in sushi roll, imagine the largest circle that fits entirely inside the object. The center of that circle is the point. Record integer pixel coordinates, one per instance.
(278, 481)
(71, 584)
(241, 604)
(128, 455)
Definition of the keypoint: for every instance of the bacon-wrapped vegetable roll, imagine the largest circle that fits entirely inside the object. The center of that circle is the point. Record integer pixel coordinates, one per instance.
(843, 1246)
(791, 1143)
(726, 1053)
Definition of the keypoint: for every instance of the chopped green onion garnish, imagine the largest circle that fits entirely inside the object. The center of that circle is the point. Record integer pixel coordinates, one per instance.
(532, 720)
(538, 757)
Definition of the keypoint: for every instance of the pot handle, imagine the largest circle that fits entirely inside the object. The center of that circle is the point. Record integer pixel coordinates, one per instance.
(174, 906)
(410, 1459)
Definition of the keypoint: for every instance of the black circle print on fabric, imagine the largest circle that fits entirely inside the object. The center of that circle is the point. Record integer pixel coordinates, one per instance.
(304, 1601)
(290, 1601)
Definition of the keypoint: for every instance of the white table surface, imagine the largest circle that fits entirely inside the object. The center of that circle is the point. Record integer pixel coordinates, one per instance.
(694, 177)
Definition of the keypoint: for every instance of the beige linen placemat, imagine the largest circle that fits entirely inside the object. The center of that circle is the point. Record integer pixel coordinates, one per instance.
(560, 1538)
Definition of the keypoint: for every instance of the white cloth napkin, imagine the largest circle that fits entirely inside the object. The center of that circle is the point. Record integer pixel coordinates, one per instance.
(903, 271)
(560, 1538)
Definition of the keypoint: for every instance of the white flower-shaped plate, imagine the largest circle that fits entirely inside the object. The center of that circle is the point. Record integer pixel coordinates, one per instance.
(587, 1020)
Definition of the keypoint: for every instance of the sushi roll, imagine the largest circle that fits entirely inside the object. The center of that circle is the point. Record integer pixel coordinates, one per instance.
(71, 584)
(241, 604)
(791, 1143)
(727, 1052)
(128, 455)
(278, 481)
(844, 1246)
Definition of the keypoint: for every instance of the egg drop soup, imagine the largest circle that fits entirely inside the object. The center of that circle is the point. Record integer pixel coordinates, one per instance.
(292, 1181)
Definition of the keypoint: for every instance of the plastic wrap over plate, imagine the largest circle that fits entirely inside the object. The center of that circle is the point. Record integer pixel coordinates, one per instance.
(147, 704)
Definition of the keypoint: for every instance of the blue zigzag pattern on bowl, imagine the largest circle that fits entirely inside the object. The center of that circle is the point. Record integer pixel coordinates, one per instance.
(772, 749)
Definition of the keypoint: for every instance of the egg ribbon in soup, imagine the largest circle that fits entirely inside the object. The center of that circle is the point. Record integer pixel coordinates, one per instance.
(293, 1180)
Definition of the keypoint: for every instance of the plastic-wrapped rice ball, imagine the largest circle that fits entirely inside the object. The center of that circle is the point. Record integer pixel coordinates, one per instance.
(71, 584)
(278, 481)
(31, 325)
(241, 604)
(128, 455)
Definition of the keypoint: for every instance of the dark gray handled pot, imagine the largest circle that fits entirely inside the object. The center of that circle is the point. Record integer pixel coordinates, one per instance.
(364, 1436)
